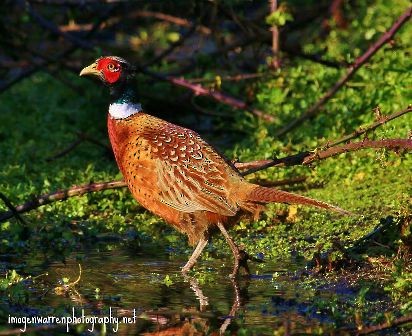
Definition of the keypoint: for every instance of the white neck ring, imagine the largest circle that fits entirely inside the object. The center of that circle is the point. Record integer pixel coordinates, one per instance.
(124, 110)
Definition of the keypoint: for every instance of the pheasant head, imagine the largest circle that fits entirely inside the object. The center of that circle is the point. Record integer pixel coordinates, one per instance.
(111, 70)
(115, 72)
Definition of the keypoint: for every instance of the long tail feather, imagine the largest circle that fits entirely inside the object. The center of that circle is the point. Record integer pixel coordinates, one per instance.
(270, 195)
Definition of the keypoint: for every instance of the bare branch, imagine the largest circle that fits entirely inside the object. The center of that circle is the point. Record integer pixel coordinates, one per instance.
(61, 195)
(385, 38)
(275, 64)
(393, 144)
(137, 14)
(197, 89)
(308, 157)
(219, 96)
(172, 19)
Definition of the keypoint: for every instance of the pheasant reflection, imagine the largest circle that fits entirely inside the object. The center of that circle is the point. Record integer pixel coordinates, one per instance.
(199, 322)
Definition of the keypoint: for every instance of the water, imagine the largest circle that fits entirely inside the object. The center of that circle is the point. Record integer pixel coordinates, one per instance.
(159, 301)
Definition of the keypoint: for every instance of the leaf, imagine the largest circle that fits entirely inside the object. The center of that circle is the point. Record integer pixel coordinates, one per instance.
(167, 281)
(278, 18)
(4, 284)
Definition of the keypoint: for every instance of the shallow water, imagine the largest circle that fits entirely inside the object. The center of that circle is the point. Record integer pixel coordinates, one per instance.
(160, 301)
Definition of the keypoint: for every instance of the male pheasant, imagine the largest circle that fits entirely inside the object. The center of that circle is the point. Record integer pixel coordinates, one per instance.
(174, 173)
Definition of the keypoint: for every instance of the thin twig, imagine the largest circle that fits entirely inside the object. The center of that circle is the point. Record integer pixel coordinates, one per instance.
(393, 144)
(381, 120)
(65, 151)
(172, 19)
(13, 210)
(234, 78)
(81, 137)
(385, 38)
(171, 48)
(75, 27)
(336, 12)
(294, 51)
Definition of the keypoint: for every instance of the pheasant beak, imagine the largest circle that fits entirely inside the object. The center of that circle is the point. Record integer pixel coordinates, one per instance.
(91, 70)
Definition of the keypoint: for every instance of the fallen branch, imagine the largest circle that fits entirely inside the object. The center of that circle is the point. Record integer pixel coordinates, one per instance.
(61, 195)
(396, 322)
(385, 38)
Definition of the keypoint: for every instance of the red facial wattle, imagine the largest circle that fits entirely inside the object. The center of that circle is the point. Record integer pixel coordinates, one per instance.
(110, 68)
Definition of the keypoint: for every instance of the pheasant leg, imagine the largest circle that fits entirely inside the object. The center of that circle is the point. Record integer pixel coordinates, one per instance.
(240, 256)
(195, 255)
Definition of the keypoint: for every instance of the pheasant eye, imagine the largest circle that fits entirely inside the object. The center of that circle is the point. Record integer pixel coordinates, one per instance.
(112, 67)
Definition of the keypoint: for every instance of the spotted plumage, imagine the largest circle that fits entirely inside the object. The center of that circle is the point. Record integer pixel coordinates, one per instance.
(174, 173)
(172, 163)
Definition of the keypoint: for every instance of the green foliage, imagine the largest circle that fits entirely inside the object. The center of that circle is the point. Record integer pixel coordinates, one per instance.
(400, 288)
(41, 116)
(279, 17)
(12, 285)
(168, 281)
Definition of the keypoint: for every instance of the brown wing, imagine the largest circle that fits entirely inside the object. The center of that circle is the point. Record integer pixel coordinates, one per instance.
(191, 175)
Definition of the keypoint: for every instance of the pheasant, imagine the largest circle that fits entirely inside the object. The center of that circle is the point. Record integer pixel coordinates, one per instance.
(175, 174)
